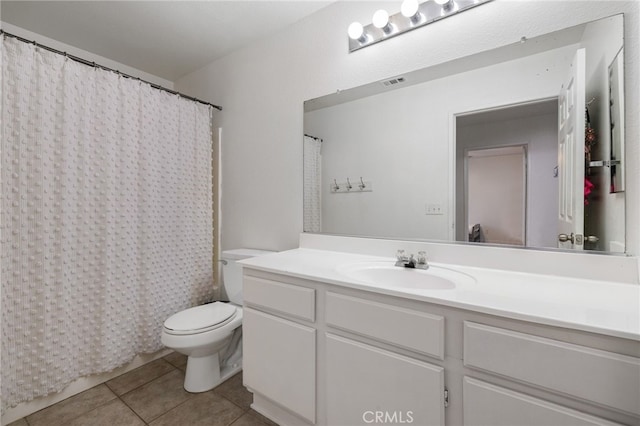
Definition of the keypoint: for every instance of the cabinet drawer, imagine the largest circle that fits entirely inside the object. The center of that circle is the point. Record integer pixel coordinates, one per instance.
(487, 404)
(288, 299)
(603, 377)
(402, 327)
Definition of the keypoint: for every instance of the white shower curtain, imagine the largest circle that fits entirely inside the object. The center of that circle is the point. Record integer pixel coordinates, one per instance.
(106, 218)
(312, 184)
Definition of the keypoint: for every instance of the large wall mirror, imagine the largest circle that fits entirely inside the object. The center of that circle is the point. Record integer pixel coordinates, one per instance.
(521, 145)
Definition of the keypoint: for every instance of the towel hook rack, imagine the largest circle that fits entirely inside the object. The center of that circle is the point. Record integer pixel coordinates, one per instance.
(362, 185)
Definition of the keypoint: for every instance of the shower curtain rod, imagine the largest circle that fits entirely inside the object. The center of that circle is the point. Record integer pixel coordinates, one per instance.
(93, 64)
(313, 137)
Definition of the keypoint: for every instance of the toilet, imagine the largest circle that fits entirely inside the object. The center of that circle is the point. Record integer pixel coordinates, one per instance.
(210, 335)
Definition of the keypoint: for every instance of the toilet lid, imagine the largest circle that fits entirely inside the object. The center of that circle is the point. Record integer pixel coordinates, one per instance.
(200, 318)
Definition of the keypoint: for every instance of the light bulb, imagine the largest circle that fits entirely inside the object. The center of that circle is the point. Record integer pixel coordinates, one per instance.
(356, 32)
(380, 19)
(409, 8)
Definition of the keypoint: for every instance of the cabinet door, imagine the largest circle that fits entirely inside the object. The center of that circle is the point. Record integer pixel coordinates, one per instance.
(368, 385)
(279, 361)
(487, 404)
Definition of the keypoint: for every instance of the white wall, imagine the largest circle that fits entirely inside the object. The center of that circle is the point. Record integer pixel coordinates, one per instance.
(540, 134)
(399, 141)
(263, 86)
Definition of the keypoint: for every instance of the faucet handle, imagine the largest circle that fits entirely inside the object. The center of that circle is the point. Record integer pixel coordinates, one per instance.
(400, 255)
(422, 257)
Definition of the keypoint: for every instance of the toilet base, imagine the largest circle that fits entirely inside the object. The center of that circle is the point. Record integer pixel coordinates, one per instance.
(204, 373)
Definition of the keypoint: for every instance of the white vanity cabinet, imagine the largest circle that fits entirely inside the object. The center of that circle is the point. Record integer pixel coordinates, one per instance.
(366, 383)
(326, 354)
(488, 404)
(343, 361)
(279, 350)
(596, 376)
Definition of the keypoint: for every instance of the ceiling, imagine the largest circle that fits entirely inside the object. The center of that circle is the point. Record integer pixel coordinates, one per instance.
(165, 38)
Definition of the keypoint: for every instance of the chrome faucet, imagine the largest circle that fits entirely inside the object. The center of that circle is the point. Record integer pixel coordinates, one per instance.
(412, 262)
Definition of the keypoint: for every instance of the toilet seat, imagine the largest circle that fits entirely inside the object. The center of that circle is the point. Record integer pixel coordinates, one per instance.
(200, 319)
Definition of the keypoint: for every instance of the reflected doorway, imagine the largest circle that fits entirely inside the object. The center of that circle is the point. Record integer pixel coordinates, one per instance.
(532, 128)
(496, 182)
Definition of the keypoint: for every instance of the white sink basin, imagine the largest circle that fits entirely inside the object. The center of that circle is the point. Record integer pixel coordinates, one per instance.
(388, 275)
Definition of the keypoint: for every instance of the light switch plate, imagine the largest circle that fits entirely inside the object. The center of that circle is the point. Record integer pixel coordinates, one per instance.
(433, 209)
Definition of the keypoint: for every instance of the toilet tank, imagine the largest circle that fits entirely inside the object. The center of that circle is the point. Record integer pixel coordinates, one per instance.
(232, 271)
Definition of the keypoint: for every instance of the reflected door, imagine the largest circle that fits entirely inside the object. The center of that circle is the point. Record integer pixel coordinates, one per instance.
(571, 122)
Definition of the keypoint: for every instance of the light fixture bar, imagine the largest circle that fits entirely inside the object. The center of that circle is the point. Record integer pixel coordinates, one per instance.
(428, 12)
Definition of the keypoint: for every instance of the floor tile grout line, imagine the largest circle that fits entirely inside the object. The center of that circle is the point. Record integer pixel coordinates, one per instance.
(164, 358)
(138, 387)
(174, 367)
(133, 411)
(95, 408)
(234, 403)
(146, 383)
(192, 395)
(237, 418)
(243, 410)
(72, 396)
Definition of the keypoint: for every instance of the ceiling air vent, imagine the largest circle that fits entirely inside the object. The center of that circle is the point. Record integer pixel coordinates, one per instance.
(393, 81)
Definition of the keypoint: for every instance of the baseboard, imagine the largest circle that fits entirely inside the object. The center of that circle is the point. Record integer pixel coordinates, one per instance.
(275, 412)
(75, 387)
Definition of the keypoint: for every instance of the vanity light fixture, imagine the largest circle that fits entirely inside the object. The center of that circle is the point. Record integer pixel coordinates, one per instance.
(412, 15)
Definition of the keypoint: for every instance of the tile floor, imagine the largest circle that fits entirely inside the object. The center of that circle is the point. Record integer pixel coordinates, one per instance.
(153, 395)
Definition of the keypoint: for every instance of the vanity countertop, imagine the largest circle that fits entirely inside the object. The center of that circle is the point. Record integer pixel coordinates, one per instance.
(602, 307)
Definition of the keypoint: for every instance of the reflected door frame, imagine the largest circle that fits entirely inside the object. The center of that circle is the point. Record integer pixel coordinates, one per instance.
(453, 145)
(513, 149)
